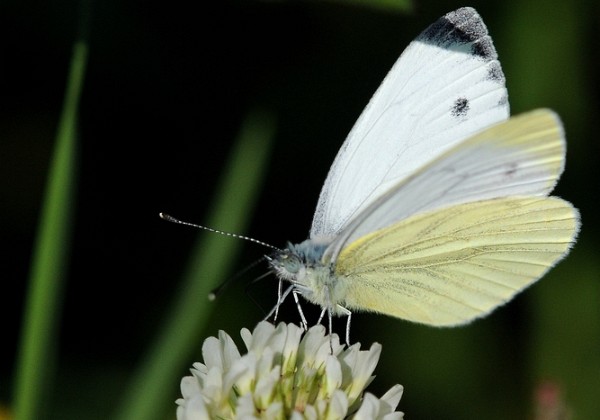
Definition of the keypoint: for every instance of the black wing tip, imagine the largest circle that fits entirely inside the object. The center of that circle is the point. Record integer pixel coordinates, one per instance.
(462, 26)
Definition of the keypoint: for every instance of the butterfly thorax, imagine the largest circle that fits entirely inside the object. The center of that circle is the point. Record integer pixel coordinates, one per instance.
(302, 265)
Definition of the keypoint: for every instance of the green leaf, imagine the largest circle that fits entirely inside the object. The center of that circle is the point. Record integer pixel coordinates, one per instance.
(50, 255)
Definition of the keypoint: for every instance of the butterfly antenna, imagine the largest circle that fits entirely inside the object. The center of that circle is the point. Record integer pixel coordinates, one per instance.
(233, 235)
(216, 292)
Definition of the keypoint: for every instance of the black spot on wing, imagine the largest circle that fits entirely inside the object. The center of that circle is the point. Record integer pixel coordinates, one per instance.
(461, 28)
(460, 107)
(495, 72)
(503, 100)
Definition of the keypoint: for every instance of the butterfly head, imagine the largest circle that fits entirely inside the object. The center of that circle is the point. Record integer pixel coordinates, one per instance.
(292, 262)
(301, 264)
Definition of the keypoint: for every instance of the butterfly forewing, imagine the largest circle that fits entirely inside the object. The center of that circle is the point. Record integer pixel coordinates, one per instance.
(446, 86)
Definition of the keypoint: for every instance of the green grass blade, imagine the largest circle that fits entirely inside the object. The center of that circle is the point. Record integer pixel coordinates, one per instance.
(149, 395)
(50, 255)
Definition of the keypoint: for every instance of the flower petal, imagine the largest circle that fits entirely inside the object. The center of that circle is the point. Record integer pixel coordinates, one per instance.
(284, 374)
(338, 406)
(392, 397)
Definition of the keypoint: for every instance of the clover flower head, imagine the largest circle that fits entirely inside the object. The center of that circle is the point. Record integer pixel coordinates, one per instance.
(285, 374)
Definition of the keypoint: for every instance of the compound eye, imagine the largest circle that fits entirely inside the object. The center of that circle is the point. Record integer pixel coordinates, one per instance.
(291, 264)
(287, 262)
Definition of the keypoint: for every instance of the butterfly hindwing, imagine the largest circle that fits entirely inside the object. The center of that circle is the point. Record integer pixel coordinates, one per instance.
(450, 266)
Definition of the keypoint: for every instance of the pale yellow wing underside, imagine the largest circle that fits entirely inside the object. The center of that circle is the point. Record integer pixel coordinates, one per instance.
(450, 266)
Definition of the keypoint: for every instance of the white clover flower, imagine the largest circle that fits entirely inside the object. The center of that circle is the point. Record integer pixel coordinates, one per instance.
(285, 375)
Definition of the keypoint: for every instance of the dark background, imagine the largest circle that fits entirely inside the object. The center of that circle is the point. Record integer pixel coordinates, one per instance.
(166, 89)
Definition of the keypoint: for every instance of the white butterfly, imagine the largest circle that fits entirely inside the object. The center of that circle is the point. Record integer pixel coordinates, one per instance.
(436, 208)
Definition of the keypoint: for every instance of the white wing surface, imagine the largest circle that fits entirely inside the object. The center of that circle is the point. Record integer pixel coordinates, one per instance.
(446, 86)
(523, 156)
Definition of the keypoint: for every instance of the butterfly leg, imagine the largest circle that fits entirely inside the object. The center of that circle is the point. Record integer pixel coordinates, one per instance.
(300, 311)
(279, 302)
(348, 313)
(322, 315)
(329, 317)
(279, 287)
